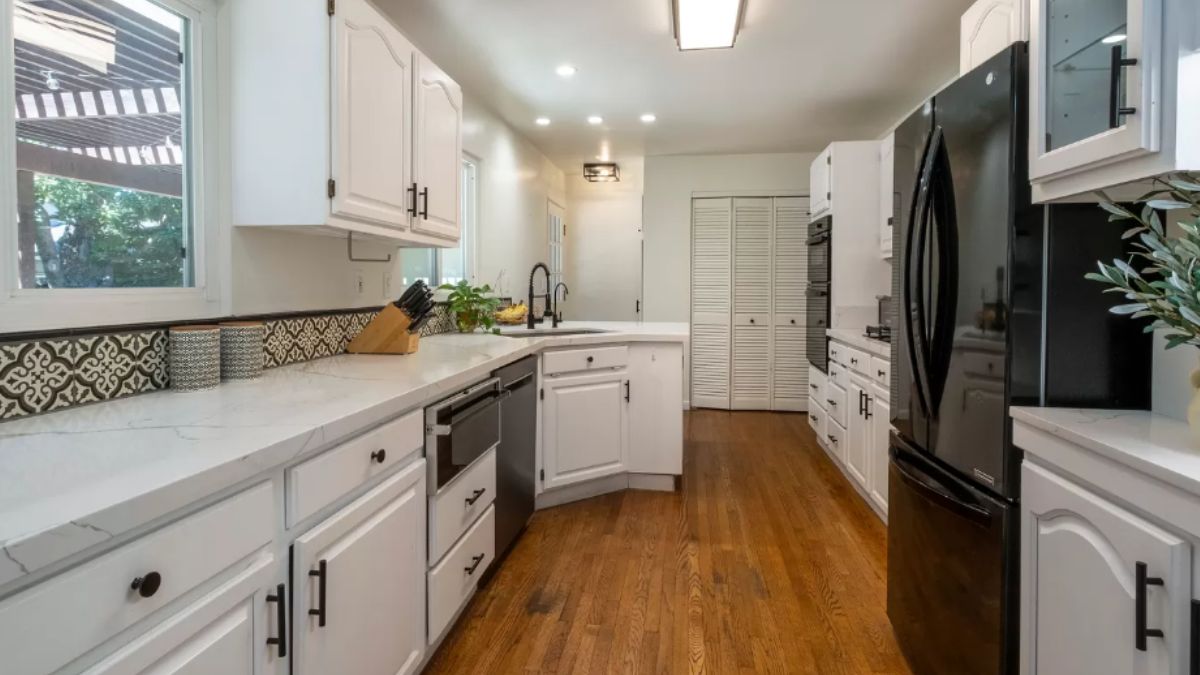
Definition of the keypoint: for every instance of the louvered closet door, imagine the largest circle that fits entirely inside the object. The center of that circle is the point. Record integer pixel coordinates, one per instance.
(789, 388)
(751, 380)
(711, 301)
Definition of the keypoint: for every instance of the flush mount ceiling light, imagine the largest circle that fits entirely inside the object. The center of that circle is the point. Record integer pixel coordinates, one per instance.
(606, 172)
(595, 119)
(707, 24)
(542, 121)
(1114, 39)
(649, 118)
(566, 70)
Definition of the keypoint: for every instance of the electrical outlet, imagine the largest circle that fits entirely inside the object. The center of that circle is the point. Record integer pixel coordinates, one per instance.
(388, 292)
(360, 282)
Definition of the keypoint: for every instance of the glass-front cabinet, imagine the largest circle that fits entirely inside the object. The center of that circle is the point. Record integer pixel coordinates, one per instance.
(1108, 80)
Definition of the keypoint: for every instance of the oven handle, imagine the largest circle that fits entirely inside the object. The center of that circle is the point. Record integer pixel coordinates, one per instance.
(489, 390)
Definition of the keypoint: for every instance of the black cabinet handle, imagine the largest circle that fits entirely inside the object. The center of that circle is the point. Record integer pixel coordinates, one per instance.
(853, 361)
(813, 386)
(861, 406)
(1140, 631)
(280, 619)
(475, 496)
(147, 585)
(891, 222)
(412, 210)
(831, 402)
(476, 561)
(832, 438)
(590, 359)
(813, 418)
(320, 574)
(881, 373)
(867, 409)
(1115, 111)
(379, 456)
(627, 391)
(425, 206)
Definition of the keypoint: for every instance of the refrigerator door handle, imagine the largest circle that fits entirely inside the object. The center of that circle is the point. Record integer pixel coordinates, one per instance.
(929, 488)
(945, 219)
(920, 349)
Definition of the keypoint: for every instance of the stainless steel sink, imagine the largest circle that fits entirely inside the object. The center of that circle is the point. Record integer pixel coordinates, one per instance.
(543, 332)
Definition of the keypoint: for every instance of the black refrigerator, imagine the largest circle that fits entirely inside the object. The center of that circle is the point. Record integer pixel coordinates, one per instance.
(993, 311)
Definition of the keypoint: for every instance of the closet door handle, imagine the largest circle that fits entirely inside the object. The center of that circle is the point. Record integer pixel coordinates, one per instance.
(1140, 631)
(280, 619)
(320, 574)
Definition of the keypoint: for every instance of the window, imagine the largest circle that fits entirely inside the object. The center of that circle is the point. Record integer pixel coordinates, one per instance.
(436, 266)
(106, 163)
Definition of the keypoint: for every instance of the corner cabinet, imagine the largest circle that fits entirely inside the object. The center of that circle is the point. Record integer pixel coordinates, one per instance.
(586, 427)
(1112, 94)
(339, 125)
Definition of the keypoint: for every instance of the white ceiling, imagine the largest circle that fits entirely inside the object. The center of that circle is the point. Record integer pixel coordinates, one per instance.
(803, 72)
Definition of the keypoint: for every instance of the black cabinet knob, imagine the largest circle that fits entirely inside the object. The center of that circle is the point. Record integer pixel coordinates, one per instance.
(147, 585)
(751, 320)
(591, 359)
(379, 456)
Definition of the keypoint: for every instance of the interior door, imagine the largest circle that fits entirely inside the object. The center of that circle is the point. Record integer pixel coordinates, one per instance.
(359, 584)
(753, 220)
(712, 303)
(438, 151)
(586, 427)
(789, 386)
(372, 116)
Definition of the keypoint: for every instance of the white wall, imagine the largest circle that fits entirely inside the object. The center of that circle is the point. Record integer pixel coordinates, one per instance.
(667, 228)
(604, 246)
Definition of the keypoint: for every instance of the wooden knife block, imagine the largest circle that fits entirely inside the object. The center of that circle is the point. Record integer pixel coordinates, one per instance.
(386, 334)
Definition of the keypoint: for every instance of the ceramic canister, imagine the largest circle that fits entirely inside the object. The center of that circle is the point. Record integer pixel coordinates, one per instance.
(195, 357)
(242, 349)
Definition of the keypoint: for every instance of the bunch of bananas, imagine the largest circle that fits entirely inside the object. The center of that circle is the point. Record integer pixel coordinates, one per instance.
(513, 314)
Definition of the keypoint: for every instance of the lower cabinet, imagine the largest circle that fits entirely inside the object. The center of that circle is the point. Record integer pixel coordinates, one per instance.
(1103, 590)
(858, 431)
(877, 445)
(585, 426)
(359, 584)
(855, 424)
(655, 409)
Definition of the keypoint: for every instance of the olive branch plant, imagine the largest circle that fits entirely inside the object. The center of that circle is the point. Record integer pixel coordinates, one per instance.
(1161, 278)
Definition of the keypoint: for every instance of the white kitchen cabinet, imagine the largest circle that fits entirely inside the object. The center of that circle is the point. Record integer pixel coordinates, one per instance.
(889, 199)
(878, 445)
(1113, 94)
(336, 121)
(358, 585)
(1089, 567)
(438, 166)
(988, 27)
(585, 427)
(655, 409)
(820, 180)
(858, 432)
(858, 411)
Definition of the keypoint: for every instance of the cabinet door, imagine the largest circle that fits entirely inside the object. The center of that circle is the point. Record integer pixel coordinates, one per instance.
(359, 584)
(438, 152)
(820, 183)
(1094, 71)
(712, 277)
(888, 198)
(877, 449)
(586, 427)
(656, 409)
(857, 433)
(1079, 584)
(372, 116)
(988, 28)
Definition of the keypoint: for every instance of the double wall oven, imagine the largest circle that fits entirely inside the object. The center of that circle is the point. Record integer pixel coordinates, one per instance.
(819, 242)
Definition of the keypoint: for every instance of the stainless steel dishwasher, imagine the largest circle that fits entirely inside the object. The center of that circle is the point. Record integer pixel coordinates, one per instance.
(515, 460)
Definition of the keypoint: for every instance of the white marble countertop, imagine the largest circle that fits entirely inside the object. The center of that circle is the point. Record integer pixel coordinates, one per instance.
(855, 338)
(1158, 446)
(75, 478)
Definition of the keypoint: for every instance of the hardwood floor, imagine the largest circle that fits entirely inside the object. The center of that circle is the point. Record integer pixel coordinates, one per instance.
(767, 561)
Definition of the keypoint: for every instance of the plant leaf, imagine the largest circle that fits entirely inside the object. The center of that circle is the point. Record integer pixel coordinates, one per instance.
(1167, 204)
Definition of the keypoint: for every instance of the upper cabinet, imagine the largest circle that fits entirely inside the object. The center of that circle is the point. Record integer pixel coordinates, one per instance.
(1110, 82)
(820, 179)
(888, 197)
(988, 28)
(338, 124)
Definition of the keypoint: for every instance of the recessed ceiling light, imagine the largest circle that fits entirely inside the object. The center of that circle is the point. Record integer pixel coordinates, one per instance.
(595, 119)
(542, 121)
(707, 24)
(1114, 39)
(566, 70)
(649, 117)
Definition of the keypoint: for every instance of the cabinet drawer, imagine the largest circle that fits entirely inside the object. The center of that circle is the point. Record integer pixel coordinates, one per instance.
(573, 360)
(837, 353)
(816, 386)
(838, 376)
(881, 371)
(816, 418)
(856, 360)
(49, 625)
(452, 510)
(454, 579)
(320, 481)
(835, 437)
(835, 400)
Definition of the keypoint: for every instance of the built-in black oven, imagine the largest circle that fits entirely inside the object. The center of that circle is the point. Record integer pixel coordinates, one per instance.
(817, 292)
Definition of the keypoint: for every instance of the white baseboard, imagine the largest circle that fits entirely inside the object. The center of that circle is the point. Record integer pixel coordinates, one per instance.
(603, 486)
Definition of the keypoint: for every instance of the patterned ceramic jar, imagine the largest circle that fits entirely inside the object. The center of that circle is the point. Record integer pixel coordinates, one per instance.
(242, 349)
(195, 357)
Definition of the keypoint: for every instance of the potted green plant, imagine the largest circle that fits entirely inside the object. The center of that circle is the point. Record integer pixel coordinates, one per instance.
(472, 305)
(1161, 278)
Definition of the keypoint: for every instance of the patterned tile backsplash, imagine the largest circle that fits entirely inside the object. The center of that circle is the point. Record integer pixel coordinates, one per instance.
(52, 373)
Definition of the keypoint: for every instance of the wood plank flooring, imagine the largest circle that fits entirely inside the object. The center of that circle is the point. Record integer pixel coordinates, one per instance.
(767, 561)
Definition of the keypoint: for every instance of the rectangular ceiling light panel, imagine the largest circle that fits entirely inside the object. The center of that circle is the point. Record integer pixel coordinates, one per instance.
(707, 24)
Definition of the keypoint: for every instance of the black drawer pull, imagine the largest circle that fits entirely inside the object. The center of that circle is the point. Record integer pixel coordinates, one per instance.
(476, 561)
(853, 361)
(412, 210)
(1143, 582)
(831, 402)
(280, 619)
(1116, 64)
(832, 439)
(147, 585)
(320, 574)
(881, 373)
(475, 496)
(379, 456)
(627, 391)
(867, 409)
(591, 359)
(425, 208)
(813, 418)
(813, 386)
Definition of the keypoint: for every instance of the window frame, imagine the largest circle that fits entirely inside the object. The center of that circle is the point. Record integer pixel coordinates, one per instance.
(468, 228)
(32, 309)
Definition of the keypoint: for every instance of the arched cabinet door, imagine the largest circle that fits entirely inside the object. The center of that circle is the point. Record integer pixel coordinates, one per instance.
(1089, 569)
(438, 167)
